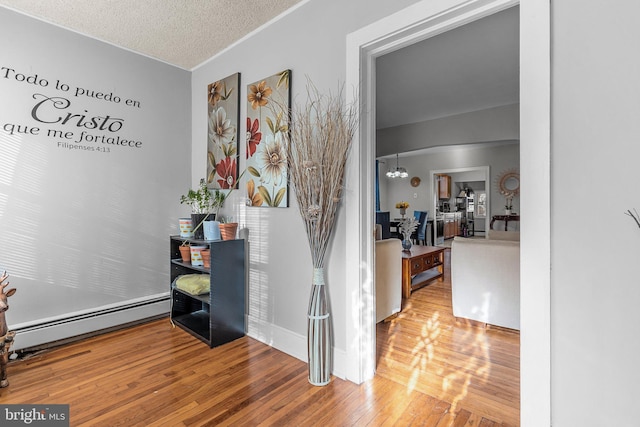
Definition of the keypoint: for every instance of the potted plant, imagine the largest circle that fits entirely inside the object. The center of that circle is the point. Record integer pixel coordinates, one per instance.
(206, 257)
(203, 204)
(185, 251)
(228, 229)
(407, 227)
(508, 206)
(402, 206)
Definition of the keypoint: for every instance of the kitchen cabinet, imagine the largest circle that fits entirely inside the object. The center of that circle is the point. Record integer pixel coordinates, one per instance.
(452, 223)
(448, 227)
(444, 186)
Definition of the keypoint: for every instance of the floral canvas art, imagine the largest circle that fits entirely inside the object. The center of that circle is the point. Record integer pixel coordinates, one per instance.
(223, 99)
(268, 103)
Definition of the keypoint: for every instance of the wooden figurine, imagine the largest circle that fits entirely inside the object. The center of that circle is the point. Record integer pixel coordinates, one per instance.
(6, 336)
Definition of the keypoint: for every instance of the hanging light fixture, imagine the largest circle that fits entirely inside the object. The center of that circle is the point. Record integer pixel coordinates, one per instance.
(398, 172)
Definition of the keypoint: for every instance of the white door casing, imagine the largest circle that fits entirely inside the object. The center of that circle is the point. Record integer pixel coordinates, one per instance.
(413, 24)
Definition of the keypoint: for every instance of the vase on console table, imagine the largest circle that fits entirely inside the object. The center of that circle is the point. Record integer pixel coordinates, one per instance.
(507, 212)
(406, 244)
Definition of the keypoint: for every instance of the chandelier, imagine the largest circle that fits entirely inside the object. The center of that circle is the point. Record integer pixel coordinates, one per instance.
(398, 172)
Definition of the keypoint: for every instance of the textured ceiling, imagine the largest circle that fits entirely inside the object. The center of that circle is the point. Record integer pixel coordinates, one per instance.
(183, 33)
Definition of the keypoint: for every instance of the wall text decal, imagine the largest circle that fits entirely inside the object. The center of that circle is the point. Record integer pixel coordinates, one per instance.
(60, 119)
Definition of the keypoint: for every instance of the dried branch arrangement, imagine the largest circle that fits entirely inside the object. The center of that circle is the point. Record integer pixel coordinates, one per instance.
(634, 215)
(320, 138)
(408, 226)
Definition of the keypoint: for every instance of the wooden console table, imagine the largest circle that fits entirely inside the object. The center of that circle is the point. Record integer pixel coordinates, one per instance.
(421, 265)
(505, 218)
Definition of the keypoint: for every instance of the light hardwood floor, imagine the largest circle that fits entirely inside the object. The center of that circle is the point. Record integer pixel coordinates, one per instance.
(432, 371)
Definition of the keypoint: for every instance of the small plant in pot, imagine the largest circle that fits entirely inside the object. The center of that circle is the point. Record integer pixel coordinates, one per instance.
(185, 252)
(203, 204)
(228, 228)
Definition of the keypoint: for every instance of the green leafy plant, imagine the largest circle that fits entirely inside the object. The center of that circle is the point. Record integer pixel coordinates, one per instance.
(202, 201)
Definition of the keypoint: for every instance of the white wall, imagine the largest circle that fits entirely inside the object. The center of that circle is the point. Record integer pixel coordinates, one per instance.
(86, 228)
(491, 124)
(595, 292)
(280, 265)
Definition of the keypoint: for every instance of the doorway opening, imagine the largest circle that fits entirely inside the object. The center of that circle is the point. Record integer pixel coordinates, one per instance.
(474, 180)
(418, 22)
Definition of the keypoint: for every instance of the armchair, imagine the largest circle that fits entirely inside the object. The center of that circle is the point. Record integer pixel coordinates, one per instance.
(384, 219)
(420, 234)
(388, 277)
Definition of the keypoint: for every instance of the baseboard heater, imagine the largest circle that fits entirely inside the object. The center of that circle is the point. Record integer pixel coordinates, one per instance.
(56, 331)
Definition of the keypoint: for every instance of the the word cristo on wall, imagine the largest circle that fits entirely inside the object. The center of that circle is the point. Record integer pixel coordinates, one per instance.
(43, 108)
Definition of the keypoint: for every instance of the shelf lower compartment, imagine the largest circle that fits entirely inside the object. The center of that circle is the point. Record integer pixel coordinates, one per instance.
(196, 323)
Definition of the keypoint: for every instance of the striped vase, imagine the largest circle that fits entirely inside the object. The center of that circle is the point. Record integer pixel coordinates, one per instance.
(319, 332)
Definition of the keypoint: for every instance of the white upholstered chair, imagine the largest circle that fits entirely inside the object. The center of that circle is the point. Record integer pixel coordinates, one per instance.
(388, 276)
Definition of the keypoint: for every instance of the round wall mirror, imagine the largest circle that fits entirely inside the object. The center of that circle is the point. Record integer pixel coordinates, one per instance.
(509, 183)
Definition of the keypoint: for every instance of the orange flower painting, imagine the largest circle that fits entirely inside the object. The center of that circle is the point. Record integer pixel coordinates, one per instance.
(259, 94)
(268, 103)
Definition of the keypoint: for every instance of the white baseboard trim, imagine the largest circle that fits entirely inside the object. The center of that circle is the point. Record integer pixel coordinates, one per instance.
(290, 343)
(34, 336)
(64, 329)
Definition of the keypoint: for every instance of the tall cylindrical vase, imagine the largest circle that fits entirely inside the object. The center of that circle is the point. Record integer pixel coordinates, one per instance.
(319, 332)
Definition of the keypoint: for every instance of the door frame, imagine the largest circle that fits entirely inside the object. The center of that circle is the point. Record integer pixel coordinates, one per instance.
(425, 19)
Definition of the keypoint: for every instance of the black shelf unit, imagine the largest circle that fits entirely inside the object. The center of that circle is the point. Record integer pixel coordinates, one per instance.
(218, 317)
